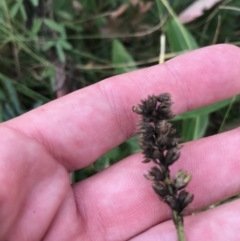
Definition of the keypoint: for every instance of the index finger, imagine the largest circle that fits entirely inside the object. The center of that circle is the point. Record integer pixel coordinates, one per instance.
(81, 126)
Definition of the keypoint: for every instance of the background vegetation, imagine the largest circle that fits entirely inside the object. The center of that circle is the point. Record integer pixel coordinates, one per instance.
(49, 48)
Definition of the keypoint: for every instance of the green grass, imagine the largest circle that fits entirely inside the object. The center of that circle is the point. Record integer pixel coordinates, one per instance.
(38, 41)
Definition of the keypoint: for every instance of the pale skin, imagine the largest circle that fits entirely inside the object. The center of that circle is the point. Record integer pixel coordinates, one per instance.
(40, 148)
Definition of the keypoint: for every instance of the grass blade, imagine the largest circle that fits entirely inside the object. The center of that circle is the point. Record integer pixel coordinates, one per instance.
(23, 89)
(120, 55)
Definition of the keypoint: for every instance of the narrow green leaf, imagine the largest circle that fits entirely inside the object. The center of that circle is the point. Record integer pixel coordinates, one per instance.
(9, 111)
(194, 128)
(36, 26)
(35, 2)
(104, 161)
(161, 9)
(23, 12)
(60, 52)
(133, 145)
(23, 89)
(179, 37)
(65, 15)
(73, 26)
(2, 96)
(121, 57)
(49, 73)
(48, 45)
(204, 110)
(13, 97)
(53, 25)
(227, 113)
(14, 9)
(65, 45)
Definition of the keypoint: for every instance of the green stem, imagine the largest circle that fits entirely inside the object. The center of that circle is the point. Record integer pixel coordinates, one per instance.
(178, 221)
(177, 218)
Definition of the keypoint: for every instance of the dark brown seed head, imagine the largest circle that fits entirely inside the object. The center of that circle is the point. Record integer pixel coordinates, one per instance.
(172, 202)
(172, 156)
(156, 139)
(181, 179)
(184, 198)
(160, 189)
(164, 97)
(163, 127)
(157, 174)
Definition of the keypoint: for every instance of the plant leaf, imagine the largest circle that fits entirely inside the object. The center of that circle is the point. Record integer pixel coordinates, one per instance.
(179, 37)
(65, 45)
(36, 26)
(205, 110)
(121, 57)
(48, 45)
(23, 89)
(194, 128)
(23, 12)
(13, 97)
(35, 2)
(60, 52)
(14, 9)
(55, 26)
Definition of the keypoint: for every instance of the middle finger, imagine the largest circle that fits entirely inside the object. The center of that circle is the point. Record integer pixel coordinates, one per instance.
(123, 203)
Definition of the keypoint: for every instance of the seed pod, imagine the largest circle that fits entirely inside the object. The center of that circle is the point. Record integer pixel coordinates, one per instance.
(181, 179)
(172, 156)
(172, 202)
(164, 97)
(146, 129)
(157, 154)
(160, 189)
(163, 127)
(184, 198)
(149, 177)
(146, 160)
(137, 110)
(150, 103)
(157, 174)
(164, 109)
(162, 141)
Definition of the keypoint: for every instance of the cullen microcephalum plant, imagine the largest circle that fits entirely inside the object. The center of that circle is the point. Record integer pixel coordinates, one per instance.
(157, 139)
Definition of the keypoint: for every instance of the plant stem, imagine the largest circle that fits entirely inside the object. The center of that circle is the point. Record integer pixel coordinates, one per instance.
(178, 221)
(177, 218)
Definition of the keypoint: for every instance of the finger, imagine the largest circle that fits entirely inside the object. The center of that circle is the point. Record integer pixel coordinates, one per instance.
(123, 203)
(66, 224)
(220, 223)
(25, 164)
(82, 126)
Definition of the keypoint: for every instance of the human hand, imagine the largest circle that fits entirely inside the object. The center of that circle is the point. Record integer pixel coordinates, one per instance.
(40, 148)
